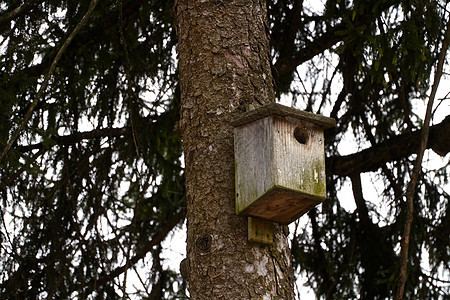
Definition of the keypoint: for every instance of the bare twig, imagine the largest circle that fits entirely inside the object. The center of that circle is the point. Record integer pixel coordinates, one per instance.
(417, 168)
(446, 97)
(44, 84)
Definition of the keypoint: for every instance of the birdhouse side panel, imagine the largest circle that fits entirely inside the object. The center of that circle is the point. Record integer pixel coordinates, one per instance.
(253, 159)
(299, 157)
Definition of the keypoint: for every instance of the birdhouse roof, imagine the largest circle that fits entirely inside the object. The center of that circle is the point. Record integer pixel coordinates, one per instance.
(275, 109)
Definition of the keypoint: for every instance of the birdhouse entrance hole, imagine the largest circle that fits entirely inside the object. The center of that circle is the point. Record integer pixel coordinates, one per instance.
(301, 135)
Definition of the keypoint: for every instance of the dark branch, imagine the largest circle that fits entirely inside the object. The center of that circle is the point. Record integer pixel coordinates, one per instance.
(62, 140)
(393, 149)
(289, 61)
(286, 65)
(361, 206)
(18, 11)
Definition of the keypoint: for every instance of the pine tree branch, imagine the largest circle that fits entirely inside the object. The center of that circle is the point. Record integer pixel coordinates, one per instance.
(24, 8)
(418, 167)
(62, 140)
(87, 37)
(44, 84)
(76, 137)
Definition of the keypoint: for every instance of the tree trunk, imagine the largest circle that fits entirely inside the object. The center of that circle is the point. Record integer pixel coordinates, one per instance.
(224, 68)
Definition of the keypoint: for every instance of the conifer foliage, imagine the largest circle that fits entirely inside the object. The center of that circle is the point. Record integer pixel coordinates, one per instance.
(93, 183)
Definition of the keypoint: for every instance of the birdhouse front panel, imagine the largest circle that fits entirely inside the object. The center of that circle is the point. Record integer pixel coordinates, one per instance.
(280, 163)
(299, 156)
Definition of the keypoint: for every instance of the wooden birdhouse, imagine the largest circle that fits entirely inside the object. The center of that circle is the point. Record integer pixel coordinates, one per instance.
(280, 162)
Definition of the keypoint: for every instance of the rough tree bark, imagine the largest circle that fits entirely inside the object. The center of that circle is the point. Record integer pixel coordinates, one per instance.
(224, 68)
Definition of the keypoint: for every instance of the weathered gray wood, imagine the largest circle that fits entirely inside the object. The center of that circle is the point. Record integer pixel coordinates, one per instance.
(253, 162)
(279, 175)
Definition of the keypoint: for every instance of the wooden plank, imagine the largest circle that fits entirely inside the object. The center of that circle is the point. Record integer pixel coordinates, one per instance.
(260, 231)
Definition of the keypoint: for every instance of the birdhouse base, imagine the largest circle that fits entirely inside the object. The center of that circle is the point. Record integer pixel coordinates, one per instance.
(281, 206)
(260, 231)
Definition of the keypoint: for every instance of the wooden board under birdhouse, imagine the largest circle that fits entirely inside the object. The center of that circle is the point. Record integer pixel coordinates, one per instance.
(280, 167)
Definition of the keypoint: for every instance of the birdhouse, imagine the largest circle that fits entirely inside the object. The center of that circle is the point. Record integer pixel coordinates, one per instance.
(279, 162)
